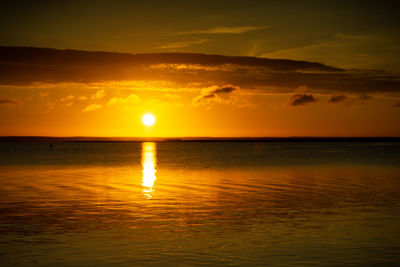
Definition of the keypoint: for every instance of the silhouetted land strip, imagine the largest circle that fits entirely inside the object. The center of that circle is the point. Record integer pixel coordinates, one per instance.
(196, 139)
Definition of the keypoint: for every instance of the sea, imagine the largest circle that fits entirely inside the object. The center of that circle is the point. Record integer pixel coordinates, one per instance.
(255, 203)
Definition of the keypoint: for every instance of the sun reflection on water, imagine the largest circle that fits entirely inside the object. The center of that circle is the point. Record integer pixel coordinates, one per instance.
(149, 168)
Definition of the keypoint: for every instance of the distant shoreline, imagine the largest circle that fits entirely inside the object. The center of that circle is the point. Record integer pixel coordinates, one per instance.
(196, 139)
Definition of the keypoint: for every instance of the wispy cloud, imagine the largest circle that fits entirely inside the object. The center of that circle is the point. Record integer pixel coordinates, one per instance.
(337, 99)
(347, 51)
(172, 96)
(130, 100)
(182, 44)
(225, 30)
(363, 97)
(230, 95)
(213, 92)
(99, 94)
(92, 107)
(68, 100)
(8, 102)
(301, 99)
(349, 100)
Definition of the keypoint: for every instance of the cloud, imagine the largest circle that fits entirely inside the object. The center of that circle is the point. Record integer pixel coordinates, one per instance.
(8, 102)
(130, 100)
(183, 44)
(92, 107)
(372, 51)
(225, 30)
(172, 96)
(301, 99)
(337, 99)
(68, 98)
(99, 94)
(224, 90)
(349, 100)
(364, 97)
(213, 92)
(22, 66)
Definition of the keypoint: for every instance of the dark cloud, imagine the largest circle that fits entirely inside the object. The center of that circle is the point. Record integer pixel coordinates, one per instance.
(396, 105)
(301, 99)
(337, 99)
(226, 89)
(349, 100)
(8, 101)
(364, 97)
(359, 100)
(214, 92)
(27, 66)
(207, 96)
(53, 57)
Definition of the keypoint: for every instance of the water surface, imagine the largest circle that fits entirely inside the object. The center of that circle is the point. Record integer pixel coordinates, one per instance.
(210, 203)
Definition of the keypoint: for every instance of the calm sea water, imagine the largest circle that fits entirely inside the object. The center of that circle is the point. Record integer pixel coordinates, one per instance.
(211, 203)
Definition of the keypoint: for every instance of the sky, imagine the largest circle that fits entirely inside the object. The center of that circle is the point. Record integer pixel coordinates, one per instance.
(203, 68)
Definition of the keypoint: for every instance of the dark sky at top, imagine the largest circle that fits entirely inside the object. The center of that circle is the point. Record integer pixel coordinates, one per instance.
(349, 34)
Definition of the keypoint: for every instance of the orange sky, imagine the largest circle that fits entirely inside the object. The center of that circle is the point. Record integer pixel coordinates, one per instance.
(115, 108)
(289, 68)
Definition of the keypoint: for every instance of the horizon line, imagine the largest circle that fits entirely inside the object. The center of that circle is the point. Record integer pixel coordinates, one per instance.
(28, 138)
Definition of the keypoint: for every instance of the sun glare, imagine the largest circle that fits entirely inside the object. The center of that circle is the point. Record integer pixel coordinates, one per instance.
(148, 119)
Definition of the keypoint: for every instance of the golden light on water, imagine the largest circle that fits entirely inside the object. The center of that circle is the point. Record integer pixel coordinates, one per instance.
(148, 119)
(149, 168)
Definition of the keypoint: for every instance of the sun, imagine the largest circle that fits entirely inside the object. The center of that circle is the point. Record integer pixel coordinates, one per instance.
(148, 119)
